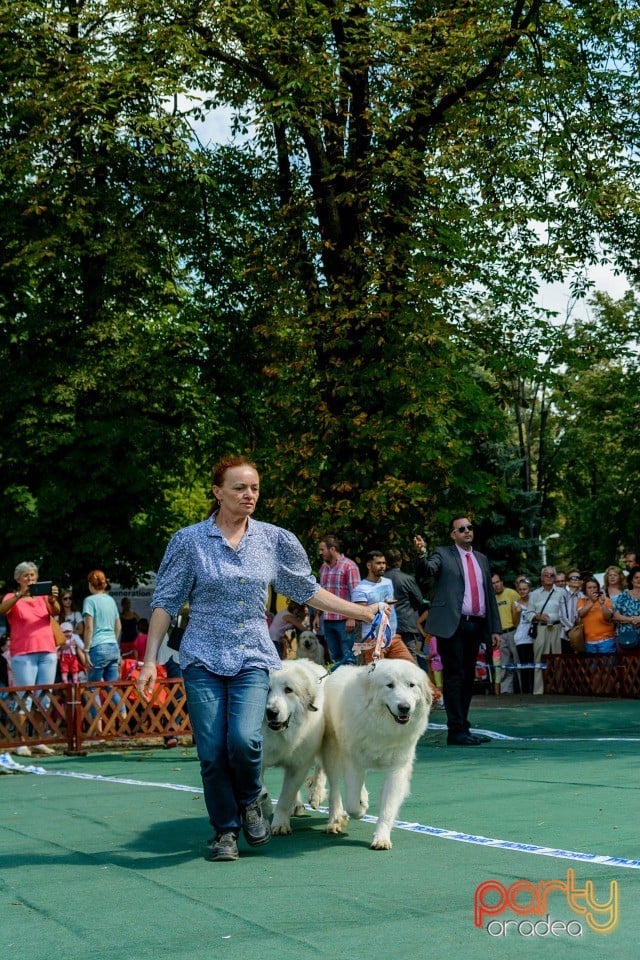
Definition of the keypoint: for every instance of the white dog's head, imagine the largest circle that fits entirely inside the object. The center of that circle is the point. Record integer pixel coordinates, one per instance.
(292, 690)
(401, 689)
(309, 647)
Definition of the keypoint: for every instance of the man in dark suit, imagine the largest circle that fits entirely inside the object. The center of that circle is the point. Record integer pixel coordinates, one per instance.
(463, 614)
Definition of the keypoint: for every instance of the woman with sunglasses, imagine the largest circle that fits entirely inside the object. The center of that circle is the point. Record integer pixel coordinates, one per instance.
(568, 606)
(69, 613)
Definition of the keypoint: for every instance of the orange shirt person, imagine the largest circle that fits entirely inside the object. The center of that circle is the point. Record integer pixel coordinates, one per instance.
(596, 612)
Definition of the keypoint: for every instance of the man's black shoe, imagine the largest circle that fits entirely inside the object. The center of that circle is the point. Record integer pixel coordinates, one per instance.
(256, 829)
(462, 740)
(480, 737)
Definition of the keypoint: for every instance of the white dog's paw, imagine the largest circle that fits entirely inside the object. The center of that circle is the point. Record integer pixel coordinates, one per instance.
(381, 843)
(316, 788)
(338, 824)
(358, 811)
(316, 798)
(298, 810)
(281, 827)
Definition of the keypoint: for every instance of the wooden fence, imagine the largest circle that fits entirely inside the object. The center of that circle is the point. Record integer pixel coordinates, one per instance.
(604, 675)
(71, 715)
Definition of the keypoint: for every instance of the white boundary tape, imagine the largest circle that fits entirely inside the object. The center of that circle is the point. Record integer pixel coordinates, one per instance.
(504, 736)
(10, 765)
(7, 763)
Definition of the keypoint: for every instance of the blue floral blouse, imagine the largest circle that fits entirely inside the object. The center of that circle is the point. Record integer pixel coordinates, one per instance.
(227, 590)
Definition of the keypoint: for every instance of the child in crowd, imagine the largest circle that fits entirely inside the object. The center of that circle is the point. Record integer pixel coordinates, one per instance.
(71, 653)
(435, 663)
(431, 655)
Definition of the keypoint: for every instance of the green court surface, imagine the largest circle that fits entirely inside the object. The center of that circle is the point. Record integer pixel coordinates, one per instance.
(105, 868)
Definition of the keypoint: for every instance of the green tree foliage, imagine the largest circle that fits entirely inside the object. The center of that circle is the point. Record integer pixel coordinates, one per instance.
(595, 451)
(424, 154)
(311, 292)
(101, 389)
(570, 387)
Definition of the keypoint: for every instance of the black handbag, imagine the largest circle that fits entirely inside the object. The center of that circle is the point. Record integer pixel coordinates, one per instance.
(175, 637)
(176, 633)
(533, 629)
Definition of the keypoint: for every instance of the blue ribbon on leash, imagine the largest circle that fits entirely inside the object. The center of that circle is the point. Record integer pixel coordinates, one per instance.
(375, 629)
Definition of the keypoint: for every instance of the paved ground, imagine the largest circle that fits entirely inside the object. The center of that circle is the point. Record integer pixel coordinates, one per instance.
(103, 856)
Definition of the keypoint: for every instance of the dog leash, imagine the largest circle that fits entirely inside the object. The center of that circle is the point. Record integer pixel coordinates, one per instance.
(378, 636)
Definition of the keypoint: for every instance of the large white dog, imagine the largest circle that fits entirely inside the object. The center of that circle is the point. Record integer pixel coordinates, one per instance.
(292, 735)
(374, 717)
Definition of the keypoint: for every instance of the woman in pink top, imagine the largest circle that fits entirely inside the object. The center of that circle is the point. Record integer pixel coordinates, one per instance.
(33, 649)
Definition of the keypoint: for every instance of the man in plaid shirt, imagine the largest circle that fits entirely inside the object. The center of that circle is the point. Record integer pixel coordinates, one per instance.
(339, 575)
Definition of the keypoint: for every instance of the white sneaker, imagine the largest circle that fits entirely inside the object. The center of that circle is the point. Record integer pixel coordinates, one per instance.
(43, 748)
(22, 751)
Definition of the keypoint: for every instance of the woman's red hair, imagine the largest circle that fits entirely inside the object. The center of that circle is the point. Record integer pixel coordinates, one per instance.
(98, 580)
(228, 463)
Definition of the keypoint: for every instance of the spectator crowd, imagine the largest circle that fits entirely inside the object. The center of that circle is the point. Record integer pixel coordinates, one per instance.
(51, 638)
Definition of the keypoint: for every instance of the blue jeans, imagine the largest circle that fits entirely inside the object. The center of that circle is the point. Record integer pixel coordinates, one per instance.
(105, 665)
(33, 669)
(226, 716)
(601, 646)
(338, 641)
(105, 659)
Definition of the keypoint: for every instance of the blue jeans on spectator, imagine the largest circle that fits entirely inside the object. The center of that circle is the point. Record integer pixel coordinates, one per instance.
(226, 716)
(338, 641)
(33, 670)
(601, 646)
(105, 665)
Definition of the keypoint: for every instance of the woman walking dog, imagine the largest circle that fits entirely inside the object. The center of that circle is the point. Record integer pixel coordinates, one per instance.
(224, 567)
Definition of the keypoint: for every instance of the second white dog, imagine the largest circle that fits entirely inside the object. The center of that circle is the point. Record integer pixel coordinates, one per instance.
(292, 735)
(374, 718)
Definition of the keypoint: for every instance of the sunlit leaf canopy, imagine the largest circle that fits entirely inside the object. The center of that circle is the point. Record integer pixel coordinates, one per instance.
(346, 290)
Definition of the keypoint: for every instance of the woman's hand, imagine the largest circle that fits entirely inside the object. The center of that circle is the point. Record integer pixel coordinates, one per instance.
(371, 609)
(146, 680)
(52, 602)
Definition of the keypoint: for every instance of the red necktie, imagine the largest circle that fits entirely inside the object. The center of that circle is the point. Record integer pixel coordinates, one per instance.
(473, 583)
